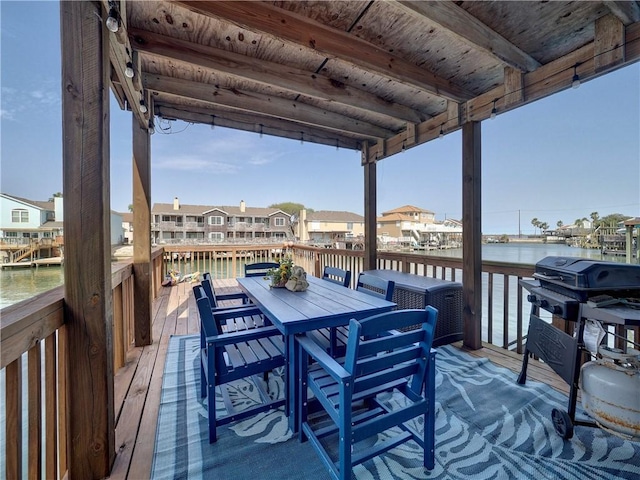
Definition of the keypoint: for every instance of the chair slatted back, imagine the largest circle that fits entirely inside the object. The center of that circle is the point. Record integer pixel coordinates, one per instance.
(208, 290)
(376, 358)
(259, 269)
(376, 286)
(337, 275)
(208, 325)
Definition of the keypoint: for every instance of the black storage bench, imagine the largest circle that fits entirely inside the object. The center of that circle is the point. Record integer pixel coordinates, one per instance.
(415, 291)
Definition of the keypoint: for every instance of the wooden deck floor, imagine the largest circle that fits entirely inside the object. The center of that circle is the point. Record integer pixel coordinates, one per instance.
(138, 384)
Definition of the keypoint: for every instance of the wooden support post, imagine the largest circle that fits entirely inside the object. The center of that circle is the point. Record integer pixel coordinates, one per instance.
(370, 201)
(142, 295)
(87, 266)
(472, 235)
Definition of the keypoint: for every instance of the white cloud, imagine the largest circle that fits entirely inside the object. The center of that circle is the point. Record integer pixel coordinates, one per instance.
(6, 114)
(191, 163)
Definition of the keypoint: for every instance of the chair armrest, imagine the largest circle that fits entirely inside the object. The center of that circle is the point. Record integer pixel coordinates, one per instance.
(242, 336)
(231, 296)
(238, 309)
(223, 313)
(328, 364)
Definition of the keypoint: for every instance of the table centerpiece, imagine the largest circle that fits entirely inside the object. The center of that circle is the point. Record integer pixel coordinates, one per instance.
(288, 275)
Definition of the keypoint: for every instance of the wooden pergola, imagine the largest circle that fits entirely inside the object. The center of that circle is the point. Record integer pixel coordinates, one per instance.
(375, 76)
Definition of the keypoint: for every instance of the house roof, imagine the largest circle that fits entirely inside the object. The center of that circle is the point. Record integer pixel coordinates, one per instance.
(389, 74)
(167, 208)
(334, 216)
(43, 205)
(408, 209)
(127, 217)
(394, 217)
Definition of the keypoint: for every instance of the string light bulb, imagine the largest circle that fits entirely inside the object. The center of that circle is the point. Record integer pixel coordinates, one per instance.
(494, 111)
(152, 128)
(129, 70)
(113, 20)
(404, 147)
(213, 122)
(301, 138)
(260, 130)
(441, 134)
(575, 81)
(143, 107)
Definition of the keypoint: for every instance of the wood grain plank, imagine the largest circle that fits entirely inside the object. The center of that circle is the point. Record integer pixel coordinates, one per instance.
(35, 410)
(13, 427)
(51, 407)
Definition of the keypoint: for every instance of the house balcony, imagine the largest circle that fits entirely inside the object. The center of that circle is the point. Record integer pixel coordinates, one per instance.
(34, 331)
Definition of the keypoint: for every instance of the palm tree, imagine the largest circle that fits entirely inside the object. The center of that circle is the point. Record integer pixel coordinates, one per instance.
(559, 223)
(535, 222)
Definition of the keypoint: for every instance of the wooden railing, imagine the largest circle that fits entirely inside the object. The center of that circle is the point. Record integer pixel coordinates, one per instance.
(33, 362)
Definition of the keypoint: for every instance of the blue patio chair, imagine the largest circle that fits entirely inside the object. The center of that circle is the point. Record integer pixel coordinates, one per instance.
(226, 298)
(337, 275)
(328, 337)
(232, 348)
(376, 286)
(259, 269)
(335, 340)
(355, 394)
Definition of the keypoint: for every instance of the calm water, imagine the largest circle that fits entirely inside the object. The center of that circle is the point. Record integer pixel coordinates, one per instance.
(20, 284)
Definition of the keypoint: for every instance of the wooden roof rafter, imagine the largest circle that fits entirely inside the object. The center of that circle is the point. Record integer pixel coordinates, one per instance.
(295, 80)
(329, 41)
(465, 26)
(263, 104)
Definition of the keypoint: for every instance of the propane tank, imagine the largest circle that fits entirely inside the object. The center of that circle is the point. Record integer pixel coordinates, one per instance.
(611, 391)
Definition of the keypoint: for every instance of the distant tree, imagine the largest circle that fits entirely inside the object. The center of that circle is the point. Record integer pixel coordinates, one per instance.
(291, 208)
(613, 219)
(55, 195)
(535, 222)
(544, 226)
(559, 223)
(130, 207)
(579, 222)
(594, 217)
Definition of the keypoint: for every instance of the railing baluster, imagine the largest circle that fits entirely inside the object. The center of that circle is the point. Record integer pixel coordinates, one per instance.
(505, 313)
(51, 410)
(34, 410)
(13, 419)
(490, 308)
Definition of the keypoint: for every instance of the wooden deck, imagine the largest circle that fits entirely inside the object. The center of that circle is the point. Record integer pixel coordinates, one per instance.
(138, 384)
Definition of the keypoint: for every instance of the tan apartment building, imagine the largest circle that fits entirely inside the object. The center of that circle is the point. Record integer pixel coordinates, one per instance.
(330, 228)
(192, 224)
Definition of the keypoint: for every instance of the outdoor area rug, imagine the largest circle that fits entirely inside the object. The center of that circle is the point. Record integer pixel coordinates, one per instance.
(487, 427)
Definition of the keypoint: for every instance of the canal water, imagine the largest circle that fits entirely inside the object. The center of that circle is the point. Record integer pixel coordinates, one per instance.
(23, 283)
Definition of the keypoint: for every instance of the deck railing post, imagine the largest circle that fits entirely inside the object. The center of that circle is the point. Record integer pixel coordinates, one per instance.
(87, 268)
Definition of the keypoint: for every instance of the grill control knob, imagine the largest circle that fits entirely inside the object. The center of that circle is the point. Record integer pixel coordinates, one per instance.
(531, 298)
(556, 309)
(544, 304)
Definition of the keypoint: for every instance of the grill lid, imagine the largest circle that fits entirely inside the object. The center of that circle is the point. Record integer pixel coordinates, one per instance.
(576, 273)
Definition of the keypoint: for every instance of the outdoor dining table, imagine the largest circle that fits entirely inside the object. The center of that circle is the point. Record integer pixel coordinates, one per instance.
(324, 304)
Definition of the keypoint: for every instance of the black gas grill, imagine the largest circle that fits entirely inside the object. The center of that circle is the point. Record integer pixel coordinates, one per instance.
(581, 279)
(575, 289)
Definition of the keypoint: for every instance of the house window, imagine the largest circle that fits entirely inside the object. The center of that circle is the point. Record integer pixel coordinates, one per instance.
(20, 216)
(215, 220)
(349, 225)
(277, 235)
(216, 236)
(11, 234)
(279, 222)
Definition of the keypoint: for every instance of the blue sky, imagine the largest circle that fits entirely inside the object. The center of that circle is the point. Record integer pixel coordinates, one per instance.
(560, 158)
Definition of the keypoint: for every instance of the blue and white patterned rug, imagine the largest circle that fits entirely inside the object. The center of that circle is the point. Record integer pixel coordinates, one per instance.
(487, 427)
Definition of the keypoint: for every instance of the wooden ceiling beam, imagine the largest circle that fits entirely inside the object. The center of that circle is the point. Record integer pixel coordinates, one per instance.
(263, 104)
(333, 43)
(471, 31)
(289, 78)
(252, 123)
(627, 12)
